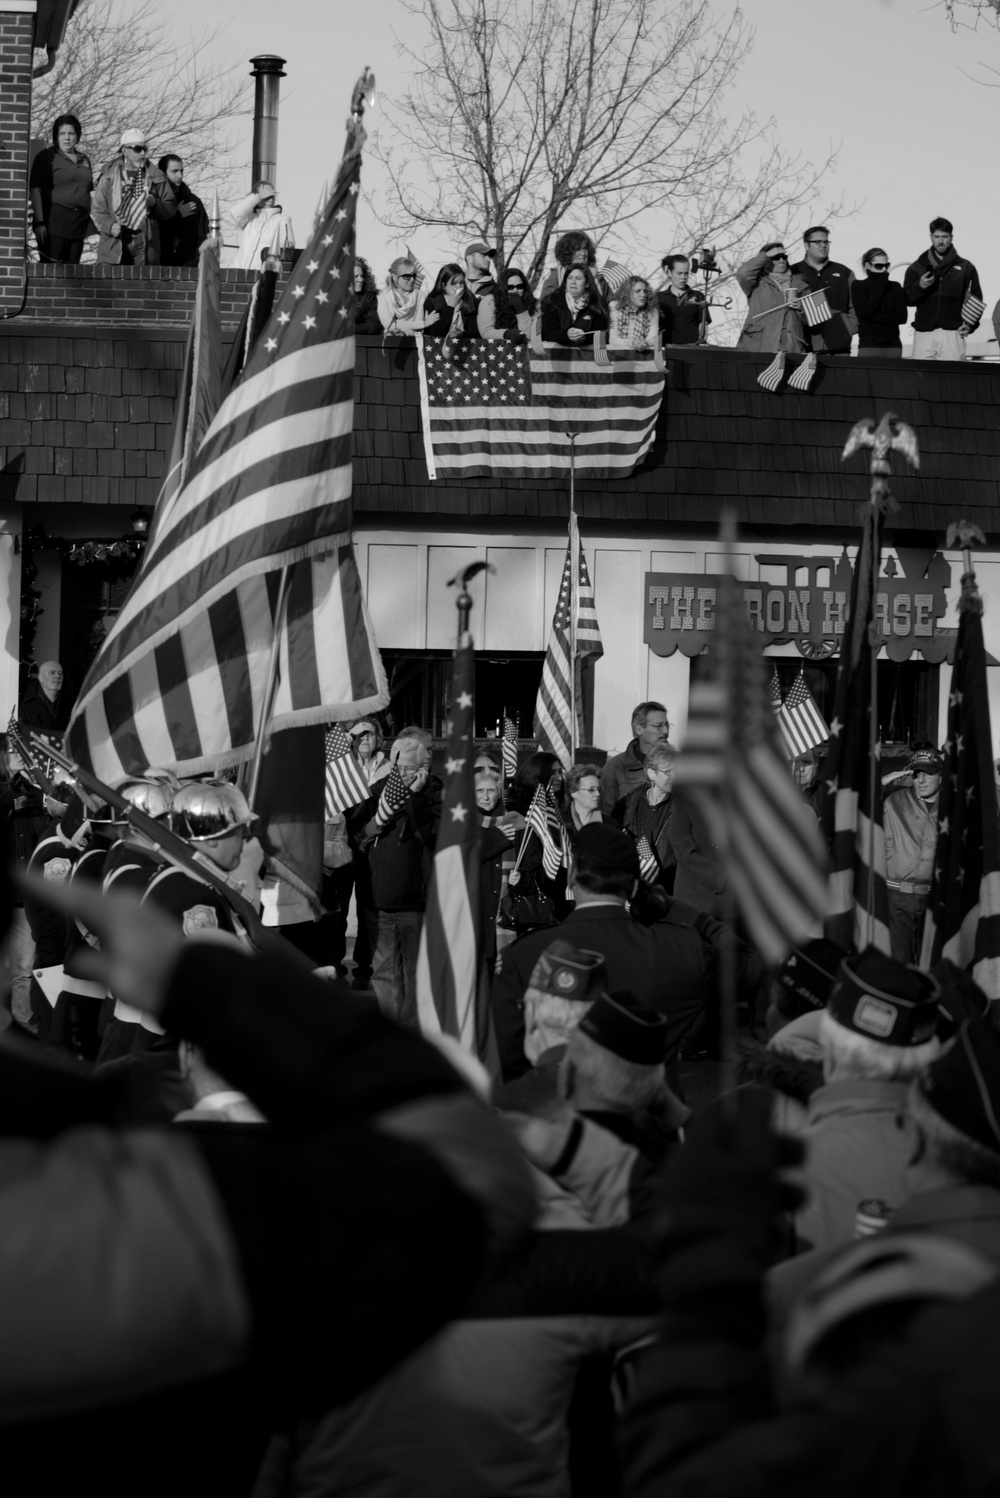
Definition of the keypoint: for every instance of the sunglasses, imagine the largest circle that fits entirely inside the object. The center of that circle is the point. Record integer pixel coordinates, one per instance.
(137, 148)
(407, 276)
(880, 265)
(778, 254)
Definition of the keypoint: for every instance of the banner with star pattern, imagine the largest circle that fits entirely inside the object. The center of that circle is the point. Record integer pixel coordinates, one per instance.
(181, 675)
(963, 914)
(491, 406)
(452, 988)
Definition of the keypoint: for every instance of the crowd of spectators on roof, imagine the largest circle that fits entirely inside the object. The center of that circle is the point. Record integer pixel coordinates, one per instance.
(148, 215)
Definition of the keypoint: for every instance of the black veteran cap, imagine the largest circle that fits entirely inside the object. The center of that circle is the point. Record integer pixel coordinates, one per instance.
(961, 997)
(884, 1000)
(926, 757)
(626, 1029)
(807, 975)
(608, 845)
(569, 972)
(963, 1085)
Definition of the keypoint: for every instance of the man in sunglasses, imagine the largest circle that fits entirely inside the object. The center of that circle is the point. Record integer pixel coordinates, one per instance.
(881, 308)
(820, 273)
(131, 197)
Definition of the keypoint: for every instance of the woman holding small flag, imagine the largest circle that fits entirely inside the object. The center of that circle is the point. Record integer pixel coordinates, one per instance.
(645, 815)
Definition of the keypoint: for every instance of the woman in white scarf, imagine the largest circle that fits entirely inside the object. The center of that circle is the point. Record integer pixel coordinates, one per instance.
(399, 307)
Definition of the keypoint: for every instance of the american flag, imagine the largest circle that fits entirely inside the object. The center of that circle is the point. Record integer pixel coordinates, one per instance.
(392, 799)
(544, 821)
(815, 308)
(490, 406)
(568, 647)
(180, 679)
(852, 824)
(771, 377)
(649, 868)
(801, 722)
(963, 914)
(452, 991)
(346, 785)
(731, 759)
(508, 748)
(774, 689)
(972, 310)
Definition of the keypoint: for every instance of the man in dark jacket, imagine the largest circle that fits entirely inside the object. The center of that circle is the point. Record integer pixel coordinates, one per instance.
(820, 273)
(681, 308)
(939, 284)
(401, 832)
(182, 237)
(44, 706)
(623, 772)
(668, 967)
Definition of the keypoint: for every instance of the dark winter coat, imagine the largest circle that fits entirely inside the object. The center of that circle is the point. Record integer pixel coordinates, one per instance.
(940, 305)
(881, 309)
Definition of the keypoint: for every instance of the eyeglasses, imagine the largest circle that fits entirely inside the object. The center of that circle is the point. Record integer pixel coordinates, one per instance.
(138, 148)
(817, 241)
(409, 275)
(880, 265)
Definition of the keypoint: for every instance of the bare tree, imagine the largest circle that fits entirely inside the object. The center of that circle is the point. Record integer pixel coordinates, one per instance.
(122, 65)
(525, 117)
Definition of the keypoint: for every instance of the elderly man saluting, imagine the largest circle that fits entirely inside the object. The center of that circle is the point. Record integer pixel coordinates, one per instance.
(130, 197)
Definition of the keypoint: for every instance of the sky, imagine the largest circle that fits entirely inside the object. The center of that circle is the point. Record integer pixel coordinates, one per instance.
(906, 102)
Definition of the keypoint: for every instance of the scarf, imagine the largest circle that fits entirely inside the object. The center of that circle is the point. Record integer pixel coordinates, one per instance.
(576, 304)
(638, 321)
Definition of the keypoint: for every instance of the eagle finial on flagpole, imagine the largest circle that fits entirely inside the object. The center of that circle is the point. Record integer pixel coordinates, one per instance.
(890, 435)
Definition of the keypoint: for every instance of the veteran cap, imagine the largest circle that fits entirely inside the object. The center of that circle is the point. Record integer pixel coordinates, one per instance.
(963, 1084)
(885, 1000)
(619, 1025)
(607, 845)
(569, 972)
(808, 974)
(926, 758)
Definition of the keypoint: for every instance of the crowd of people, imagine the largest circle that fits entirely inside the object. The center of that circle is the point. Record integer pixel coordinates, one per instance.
(347, 1259)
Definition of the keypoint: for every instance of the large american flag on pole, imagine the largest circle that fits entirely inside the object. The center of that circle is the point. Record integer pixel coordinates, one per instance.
(963, 914)
(452, 991)
(569, 645)
(490, 406)
(733, 762)
(858, 914)
(180, 678)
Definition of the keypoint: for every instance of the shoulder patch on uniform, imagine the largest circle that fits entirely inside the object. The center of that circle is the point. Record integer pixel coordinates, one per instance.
(57, 870)
(200, 918)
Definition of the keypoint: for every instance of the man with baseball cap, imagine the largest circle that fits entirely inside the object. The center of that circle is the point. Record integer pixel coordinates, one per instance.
(667, 966)
(131, 198)
(909, 816)
(479, 276)
(878, 1031)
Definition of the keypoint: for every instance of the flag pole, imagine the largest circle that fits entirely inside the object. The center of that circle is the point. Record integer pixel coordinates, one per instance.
(271, 686)
(574, 586)
(873, 739)
(728, 974)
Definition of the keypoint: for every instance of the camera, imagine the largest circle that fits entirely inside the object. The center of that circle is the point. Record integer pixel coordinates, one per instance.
(704, 260)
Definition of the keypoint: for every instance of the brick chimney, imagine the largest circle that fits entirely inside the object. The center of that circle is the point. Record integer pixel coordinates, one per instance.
(17, 32)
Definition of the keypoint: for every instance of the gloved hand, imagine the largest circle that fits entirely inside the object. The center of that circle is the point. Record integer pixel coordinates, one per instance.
(718, 1220)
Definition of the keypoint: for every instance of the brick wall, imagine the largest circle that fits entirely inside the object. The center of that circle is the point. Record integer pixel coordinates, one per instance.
(16, 38)
(128, 295)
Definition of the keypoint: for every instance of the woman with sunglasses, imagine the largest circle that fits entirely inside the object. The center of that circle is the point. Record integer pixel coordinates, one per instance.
(507, 311)
(881, 308)
(399, 307)
(771, 288)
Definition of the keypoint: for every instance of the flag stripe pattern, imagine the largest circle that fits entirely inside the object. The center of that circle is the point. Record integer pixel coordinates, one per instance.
(509, 748)
(815, 308)
(732, 763)
(544, 822)
(554, 704)
(392, 800)
(771, 377)
(452, 993)
(802, 723)
(858, 913)
(492, 406)
(346, 785)
(649, 868)
(180, 677)
(963, 914)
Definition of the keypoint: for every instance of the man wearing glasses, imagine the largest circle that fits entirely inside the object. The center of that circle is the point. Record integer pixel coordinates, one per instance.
(820, 273)
(130, 197)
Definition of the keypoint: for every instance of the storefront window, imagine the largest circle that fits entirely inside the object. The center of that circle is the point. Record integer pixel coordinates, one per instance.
(506, 686)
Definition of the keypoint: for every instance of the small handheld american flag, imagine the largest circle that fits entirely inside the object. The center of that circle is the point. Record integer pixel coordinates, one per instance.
(509, 748)
(392, 799)
(544, 824)
(815, 308)
(649, 869)
(345, 782)
(972, 310)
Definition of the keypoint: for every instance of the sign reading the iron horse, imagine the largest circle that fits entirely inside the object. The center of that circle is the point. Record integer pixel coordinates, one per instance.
(810, 608)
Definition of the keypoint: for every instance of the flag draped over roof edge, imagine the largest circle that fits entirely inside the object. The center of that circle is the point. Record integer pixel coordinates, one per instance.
(963, 914)
(452, 989)
(853, 825)
(494, 407)
(569, 645)
(732, 762)
(180, 677)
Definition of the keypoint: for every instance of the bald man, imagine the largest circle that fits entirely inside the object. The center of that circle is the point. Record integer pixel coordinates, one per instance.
(44, 706)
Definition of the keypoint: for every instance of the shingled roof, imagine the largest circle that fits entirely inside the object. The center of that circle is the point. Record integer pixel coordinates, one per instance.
(720, 439)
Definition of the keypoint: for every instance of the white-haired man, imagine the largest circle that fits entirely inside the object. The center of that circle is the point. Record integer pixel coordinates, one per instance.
(878, 1034)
